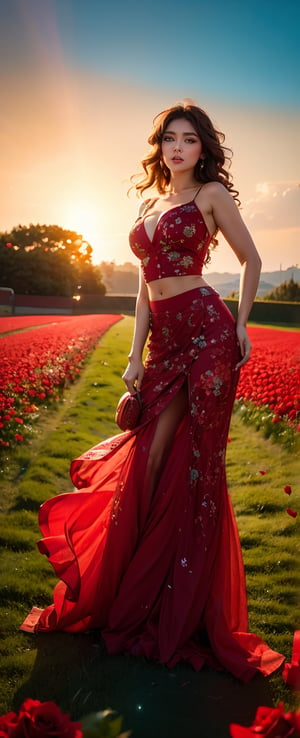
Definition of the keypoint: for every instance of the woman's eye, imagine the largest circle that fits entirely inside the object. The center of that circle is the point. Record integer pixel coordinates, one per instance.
(191, 140)
(167, 138)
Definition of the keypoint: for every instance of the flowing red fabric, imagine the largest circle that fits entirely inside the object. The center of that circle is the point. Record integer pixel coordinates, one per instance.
(161, 572)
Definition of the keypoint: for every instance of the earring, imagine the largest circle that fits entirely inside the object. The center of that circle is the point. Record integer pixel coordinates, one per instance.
(201, 164)
(161, 164)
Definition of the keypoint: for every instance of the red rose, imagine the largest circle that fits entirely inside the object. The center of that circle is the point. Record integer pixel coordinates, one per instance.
(39, 720)
(273, 721)
(291, 672)
(7, 724)
(270, 722)
(291, 676)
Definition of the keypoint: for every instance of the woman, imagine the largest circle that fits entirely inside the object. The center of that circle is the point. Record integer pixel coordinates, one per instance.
(149, 551)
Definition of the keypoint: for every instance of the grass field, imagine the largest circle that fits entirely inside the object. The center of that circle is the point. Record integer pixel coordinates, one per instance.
(74, 670)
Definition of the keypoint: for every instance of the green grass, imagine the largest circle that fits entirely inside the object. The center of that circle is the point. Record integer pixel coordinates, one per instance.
(269, 536)
(75, 670)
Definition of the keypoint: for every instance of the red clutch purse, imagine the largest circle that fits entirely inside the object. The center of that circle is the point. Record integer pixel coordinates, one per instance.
(128, 411)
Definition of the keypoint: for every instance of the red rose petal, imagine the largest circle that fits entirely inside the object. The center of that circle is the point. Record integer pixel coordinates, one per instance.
(271, 721)
(261, 471)
(292, 513)
(287, 489)
(238, 731)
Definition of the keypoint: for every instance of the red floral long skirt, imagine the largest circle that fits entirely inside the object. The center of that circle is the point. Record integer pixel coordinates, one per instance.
(161, 573)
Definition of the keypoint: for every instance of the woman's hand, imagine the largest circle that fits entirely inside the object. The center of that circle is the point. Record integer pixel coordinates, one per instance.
(245, 345)
(133, 375)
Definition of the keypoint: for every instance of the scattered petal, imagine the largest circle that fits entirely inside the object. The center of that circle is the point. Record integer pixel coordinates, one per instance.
(287, 489)
(292, 513)
(262, 471)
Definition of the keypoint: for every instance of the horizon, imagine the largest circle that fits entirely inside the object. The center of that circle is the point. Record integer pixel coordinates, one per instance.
(210, 272)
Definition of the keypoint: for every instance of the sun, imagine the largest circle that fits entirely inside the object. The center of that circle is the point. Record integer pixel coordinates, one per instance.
(84, 219)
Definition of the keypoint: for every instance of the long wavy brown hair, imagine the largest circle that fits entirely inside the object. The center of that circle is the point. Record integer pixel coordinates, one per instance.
(212, 168)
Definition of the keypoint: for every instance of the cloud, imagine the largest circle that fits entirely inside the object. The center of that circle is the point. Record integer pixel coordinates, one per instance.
(276, 205)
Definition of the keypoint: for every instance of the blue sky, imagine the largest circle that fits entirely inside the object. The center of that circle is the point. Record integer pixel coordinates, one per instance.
(233, 49)
(238, 51)
(82, 80)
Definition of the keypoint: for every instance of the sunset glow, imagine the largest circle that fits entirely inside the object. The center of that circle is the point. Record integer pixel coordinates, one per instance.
(84, 219)
(73, 135)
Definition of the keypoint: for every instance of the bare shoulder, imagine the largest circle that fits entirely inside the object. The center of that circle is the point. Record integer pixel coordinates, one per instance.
(213, 187)
(216, 192)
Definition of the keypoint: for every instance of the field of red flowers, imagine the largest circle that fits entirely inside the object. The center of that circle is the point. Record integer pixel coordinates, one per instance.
(271, 379)
(37, 365)
(23, 322)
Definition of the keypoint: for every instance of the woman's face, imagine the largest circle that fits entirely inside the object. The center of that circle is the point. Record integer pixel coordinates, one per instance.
(181, 146)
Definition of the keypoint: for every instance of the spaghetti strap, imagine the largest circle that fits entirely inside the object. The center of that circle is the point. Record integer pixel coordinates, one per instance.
(148, 204)
(197, 193)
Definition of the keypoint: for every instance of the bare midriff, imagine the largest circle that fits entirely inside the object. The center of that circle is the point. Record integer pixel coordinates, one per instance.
(160, 289)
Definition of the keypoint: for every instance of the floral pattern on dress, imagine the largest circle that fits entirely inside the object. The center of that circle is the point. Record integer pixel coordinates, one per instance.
(199, 341)
(173, 256)
(180, 237)
(186, 261)
(189, 231)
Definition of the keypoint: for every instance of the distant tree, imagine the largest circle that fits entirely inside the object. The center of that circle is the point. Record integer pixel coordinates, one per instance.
(48, 238)
(47, 260)
(285, 292)
(120, 278)
(128, 267)
(107, 271)
(90, 280)
(234, 295)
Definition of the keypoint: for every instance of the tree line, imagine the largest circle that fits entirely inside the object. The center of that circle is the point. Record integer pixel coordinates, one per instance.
(285, 292)
(48, 260)
(288, 291)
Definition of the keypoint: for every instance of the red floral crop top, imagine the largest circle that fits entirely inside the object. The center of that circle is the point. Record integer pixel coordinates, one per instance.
(179, 245)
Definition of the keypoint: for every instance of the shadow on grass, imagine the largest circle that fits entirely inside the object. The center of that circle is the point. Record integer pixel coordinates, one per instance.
(76, 672)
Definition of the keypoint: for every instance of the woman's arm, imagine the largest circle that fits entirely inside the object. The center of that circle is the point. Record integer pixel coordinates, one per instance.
(134, 372)
(228, 219)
